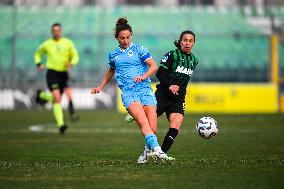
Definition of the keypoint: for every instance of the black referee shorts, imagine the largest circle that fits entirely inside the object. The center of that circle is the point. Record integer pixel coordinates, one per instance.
(56, 80)
(167, 104)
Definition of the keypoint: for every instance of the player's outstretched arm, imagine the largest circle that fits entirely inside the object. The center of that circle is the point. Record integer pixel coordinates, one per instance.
(106, 79)
(151, 70)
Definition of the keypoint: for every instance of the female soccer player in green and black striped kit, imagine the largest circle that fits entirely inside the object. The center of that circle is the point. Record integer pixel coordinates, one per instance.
(174, 73)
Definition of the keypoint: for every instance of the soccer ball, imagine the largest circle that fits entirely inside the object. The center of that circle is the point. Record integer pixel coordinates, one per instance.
(207, 127)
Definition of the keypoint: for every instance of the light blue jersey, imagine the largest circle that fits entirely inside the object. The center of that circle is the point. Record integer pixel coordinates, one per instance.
(129, 63)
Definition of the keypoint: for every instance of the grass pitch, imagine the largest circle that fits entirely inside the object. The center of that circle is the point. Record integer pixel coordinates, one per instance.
(100, 151)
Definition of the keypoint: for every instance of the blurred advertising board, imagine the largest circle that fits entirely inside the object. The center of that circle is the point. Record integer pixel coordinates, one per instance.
(228, 98)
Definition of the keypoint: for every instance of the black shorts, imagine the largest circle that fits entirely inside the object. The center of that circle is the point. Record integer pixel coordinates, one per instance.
(56, 80)
(168, 105)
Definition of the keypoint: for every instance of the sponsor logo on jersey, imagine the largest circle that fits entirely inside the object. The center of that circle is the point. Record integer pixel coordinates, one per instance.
(130, 53)
(165, 58)
(152, 93)
(187, 71)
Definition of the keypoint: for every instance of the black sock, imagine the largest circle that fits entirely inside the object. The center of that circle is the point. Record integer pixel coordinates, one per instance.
(71, 108)
(169, 139)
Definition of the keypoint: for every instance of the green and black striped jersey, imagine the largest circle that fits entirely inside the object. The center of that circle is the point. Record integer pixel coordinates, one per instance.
(176, 68)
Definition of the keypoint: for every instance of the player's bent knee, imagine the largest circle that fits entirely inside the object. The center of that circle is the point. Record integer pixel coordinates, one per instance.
(176, 121)
(176, 124)
(56, 101)
(56, 98)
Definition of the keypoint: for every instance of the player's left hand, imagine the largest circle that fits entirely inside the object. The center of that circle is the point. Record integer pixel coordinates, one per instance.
(174, 89)
(138, 79)
(69, 65)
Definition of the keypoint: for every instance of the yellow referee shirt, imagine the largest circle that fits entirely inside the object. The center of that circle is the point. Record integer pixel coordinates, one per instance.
(58, 53)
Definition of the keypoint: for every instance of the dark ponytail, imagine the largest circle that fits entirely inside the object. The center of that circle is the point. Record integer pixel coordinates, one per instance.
(121, 25)
(177, 42)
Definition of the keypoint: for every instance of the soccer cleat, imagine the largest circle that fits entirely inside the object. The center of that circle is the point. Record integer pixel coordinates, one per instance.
(62, 129)
(159, 154)
(168, 158)
(129, 118)
(143, 158)
(38, 100)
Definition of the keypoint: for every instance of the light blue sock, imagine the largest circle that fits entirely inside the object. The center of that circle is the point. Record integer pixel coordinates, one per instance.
(147, 146)
(151, 141)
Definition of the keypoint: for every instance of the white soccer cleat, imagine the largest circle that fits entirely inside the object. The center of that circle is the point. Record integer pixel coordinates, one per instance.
(143, 158)
(159, 154)
(128, 118)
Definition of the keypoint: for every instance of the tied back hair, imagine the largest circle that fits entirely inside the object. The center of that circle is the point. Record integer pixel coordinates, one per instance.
(177, 42)
(121, 25)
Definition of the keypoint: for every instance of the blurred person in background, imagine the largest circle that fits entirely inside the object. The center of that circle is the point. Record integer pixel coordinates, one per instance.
(61, 57)
(174, 73)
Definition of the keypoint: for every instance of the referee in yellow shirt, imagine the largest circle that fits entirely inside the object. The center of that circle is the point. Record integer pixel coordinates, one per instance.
(61, 56)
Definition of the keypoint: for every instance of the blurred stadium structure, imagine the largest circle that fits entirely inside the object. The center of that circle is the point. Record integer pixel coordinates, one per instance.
(237, 40)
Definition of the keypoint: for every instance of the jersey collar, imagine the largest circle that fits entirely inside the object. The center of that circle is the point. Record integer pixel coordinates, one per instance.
(124, 50)
(56, 40)
(184, 53)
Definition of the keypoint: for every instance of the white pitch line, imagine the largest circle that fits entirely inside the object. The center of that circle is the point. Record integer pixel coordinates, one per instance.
(48, 129)
(52, 128)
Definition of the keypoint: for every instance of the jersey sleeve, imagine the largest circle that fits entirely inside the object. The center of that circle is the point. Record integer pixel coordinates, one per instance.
(111, 61)
(165, 66)
(38, 54)
(167, 60)
(144, 53)
(195, 61)
(74, 54)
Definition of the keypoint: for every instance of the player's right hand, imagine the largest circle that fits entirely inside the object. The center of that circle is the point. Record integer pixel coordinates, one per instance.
(96, 90)
(138, 79)
(174, 89)
(40, 68)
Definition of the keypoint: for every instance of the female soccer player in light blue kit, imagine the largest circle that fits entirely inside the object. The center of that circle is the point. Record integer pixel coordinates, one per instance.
(132, 65)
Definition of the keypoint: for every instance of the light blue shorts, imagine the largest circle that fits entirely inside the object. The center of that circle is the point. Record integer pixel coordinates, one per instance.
(144, 95)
